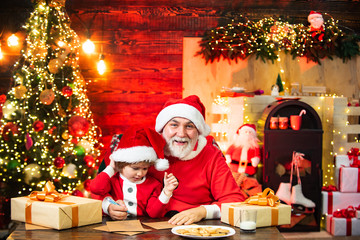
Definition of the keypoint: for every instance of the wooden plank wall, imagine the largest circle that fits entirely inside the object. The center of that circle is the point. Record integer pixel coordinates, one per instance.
(142, 41)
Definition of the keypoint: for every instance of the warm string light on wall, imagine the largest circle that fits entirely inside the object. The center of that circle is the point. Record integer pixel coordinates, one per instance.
(13, 40)
(89, 47)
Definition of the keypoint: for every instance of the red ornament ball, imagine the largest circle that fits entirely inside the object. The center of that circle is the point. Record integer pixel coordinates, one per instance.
(77, 193)
(38, 126)
(89, 160)
(78, 126)
(67, 91)
(9, 128)
(59, 162)
(87, 184)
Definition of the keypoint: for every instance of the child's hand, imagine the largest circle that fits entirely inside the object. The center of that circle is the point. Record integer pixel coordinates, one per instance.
(118, 210)
(170, 183)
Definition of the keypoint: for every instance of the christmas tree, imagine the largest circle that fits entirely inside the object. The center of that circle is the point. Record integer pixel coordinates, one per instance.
(47, 128)
(279, 83)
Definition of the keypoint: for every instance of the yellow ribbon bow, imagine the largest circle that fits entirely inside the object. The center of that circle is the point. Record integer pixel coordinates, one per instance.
(48, 195)
(266, 198)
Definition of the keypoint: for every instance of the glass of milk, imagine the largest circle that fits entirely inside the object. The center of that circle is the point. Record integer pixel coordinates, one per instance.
(248, 220)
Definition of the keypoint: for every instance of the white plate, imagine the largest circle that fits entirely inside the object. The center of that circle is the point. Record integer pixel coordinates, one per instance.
(174, 229)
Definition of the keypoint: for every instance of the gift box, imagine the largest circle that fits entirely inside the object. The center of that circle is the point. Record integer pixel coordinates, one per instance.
(342, 161)
(342, 226)
(332, 201)
(349, 179)
(68, 212)
(266, 216)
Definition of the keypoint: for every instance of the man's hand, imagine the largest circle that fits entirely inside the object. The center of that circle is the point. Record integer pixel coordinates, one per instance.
(118, 212)
(188, 216)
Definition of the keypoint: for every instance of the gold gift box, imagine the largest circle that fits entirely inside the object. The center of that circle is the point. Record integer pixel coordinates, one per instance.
(70, 211)
(266, 215)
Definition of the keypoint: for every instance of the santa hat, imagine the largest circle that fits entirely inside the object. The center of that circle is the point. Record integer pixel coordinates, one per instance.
(190, 108)
(313, 14)
(141, 144)
(247, 126)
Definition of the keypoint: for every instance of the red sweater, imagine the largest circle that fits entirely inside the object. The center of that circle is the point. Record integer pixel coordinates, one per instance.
(204, 179)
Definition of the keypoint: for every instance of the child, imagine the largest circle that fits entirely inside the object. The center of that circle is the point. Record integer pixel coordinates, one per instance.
(125, 180)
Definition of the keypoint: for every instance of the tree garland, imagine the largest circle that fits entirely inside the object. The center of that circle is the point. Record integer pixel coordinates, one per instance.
(267, 37)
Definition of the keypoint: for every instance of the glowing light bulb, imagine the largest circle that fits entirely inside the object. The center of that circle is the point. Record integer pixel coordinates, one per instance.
(13, 41)
(101, 67)
(1, 54)
(88, 46)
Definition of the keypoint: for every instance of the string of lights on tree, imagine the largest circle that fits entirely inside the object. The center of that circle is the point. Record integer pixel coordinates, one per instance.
(265, 38)
(47, 129)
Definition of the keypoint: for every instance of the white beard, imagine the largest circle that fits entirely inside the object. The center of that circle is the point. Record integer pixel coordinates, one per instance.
(246, 140)
(179, 151)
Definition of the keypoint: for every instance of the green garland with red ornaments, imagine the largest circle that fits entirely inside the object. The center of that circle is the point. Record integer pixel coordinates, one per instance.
(267, 37)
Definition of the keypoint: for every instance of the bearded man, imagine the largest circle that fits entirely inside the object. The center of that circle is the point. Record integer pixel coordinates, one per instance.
(205, 180)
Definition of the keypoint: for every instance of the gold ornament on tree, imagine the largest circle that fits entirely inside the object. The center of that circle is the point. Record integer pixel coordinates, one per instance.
(54, 65)
(47, 96)
(20, 91)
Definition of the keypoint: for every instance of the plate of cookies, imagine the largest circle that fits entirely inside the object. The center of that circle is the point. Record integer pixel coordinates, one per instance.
(203, 231)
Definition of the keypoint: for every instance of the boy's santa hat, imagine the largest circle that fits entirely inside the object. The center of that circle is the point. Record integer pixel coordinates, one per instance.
(190, 108)
(140, 144)
(247, 126)
(313, 15)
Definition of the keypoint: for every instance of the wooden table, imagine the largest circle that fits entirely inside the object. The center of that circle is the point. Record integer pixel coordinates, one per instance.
(87, 232)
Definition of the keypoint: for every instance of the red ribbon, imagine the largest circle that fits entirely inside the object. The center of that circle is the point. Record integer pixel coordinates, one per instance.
(353, 155)
(330, 202)
(330, 188)
(348, 212)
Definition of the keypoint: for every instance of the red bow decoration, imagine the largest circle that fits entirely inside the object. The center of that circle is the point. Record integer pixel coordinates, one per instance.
(353, 155)
(330, 188)
(348, 212)
(48, 195)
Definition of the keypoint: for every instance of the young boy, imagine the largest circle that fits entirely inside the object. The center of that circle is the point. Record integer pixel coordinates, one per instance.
(124, 179)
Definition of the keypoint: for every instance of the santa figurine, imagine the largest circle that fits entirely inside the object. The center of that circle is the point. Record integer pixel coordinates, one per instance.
(243, 155)
(316, 21)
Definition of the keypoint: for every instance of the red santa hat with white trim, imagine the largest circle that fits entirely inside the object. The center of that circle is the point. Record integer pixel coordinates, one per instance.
(247, 126)
(313, 14)
(190, 108)
(140, 144)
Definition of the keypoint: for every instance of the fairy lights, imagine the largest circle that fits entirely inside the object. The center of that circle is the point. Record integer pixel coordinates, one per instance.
(267, 37)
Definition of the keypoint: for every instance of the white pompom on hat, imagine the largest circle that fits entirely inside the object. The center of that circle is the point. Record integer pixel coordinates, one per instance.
(140, 144)
(313, 14)
(190, 108)
(247, 126)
